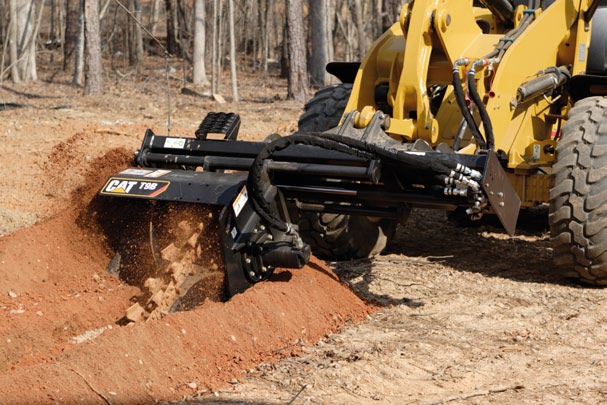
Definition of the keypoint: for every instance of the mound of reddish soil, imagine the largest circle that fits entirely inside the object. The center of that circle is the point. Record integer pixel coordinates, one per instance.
(53, 289)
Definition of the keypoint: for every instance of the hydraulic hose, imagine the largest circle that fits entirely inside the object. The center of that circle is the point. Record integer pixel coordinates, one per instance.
(510, 37)
(258, 183)
(482, 110)
(502, 9)
(460, 97)
(493, 58)
(401, 158)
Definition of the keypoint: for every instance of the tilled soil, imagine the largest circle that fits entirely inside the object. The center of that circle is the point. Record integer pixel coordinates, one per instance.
(447, 315)
(61, 340)
(470, 316)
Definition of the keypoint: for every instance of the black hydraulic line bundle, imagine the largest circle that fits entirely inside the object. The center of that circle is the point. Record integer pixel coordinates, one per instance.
(488, 142)
(258, 180)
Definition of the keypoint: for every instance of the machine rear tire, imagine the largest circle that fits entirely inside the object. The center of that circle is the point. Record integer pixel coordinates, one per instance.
(578, 194)
(333, 236)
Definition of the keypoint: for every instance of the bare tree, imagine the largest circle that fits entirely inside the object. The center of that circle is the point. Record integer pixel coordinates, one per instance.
(25, 25)
(52, 37)
(378, 20)
(171, 23)
(199, 75)
(391, 11)
(235, 97)
(215, 51)
(135, 38)
(256, 31)
(72, 29)
(266, 29)
(154, 16)
(94, 72)
(360, 28)
(321, 47)
(78, 78)
(220, 44)
(297, 88)
(13, 41)
(343, 16)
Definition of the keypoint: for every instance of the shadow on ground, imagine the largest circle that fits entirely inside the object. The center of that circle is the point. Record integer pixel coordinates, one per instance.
(215, 401)
(484, 247)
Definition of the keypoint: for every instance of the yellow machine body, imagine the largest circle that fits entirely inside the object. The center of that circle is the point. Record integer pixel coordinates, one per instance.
(419, 52)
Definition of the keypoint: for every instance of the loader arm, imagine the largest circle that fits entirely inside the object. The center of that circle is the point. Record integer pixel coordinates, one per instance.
(420, 53)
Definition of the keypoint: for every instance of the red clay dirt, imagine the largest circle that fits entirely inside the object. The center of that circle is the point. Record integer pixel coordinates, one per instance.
(55, 288)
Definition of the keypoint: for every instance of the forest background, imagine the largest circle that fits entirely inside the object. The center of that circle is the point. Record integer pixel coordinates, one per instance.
(94, 39)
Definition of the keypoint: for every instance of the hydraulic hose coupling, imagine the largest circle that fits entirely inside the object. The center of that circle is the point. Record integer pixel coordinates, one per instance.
(460, 62)
(460, 179)
(475, 174)
(481, 63)
(460, 192)
(294, 234)
(478, 63)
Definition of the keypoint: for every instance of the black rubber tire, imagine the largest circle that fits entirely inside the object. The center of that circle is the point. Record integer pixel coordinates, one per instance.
(578, 194)
(332, 236)
(325, 109)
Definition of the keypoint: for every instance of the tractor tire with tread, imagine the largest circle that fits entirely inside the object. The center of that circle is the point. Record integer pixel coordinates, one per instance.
(578, 194)
(337, 236)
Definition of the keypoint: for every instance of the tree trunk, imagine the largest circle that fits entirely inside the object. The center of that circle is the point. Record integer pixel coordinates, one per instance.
(136, 40)
(297, 88)
(215, 70)
(94, 69)
(199, 75)
(51, 35)
(330, 15)
(220, 45)
(320, 39)
(235, 97)
(72, 30)
(155, 15)
(3, 25)
(27, 24)
(391, 12)
(345, 27)
(284, 53)
(267, 29)
(360, 28)
(78, 78)
(259, 40)
(171, 19)
(13, 45)
(378, 23)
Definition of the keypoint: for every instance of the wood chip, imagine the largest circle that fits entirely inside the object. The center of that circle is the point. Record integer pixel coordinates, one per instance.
(135, 313)
(152, 284)
(193, 239)
(170, 253)
(182, 234)
(157, 298)
(219, 98)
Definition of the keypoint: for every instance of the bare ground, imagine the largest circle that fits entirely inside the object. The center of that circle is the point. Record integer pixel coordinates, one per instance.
(466, 315)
